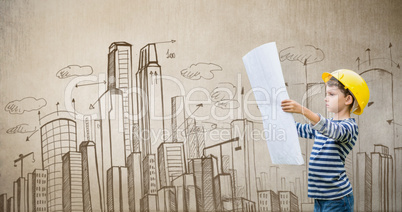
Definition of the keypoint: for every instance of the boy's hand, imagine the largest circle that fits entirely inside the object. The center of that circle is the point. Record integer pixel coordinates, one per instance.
(291, 106)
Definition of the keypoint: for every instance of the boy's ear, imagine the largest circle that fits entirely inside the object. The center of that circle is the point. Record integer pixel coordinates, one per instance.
(349, 100)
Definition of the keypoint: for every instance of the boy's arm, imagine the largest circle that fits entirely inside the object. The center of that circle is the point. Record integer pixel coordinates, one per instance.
(340, 131)
(292, 106)
(304, 130)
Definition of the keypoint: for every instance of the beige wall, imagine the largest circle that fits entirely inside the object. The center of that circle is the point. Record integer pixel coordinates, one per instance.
(39, 38)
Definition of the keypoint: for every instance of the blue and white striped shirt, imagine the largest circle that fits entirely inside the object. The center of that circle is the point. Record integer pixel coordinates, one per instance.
(333, 140)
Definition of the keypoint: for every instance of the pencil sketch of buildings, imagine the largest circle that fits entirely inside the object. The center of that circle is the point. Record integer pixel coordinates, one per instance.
(98, 116)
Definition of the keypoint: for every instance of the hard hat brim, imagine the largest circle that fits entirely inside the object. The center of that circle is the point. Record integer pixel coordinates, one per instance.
(326, 76)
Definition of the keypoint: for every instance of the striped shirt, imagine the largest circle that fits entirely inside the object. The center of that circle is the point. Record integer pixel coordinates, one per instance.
(333, 140)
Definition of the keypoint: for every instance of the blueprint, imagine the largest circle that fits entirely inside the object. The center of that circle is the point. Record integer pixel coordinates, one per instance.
(265, 74)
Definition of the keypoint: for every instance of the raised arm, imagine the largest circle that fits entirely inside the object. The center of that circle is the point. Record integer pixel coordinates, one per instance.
(341, 131)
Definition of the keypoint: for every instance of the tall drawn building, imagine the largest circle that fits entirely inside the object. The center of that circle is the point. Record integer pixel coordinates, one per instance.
(382, 179)
(204, 171)
(195, 141)
(120, 77)
(171, 160)
(20, 194)
(134, 174)
(244, 162)
(37, 191)
(398, 177)
(150, 109)
(268, 200)
(364, 185)
(150, 114)
(72, 182)
(91, 184)
(3, 202)
(178, 119)
(58, 136)
(288, 201)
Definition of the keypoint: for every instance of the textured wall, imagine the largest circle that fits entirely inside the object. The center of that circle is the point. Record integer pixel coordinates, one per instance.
(54, 60)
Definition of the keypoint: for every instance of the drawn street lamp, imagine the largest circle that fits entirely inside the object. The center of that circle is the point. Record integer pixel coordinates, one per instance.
(21, 158)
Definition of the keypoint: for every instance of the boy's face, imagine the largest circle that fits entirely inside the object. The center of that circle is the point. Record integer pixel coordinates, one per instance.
(335, 100)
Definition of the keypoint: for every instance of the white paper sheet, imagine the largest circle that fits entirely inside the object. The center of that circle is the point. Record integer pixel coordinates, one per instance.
(265, 74)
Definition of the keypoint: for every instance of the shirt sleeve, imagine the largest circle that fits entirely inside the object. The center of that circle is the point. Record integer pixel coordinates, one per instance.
(343, 131)
(304, 130)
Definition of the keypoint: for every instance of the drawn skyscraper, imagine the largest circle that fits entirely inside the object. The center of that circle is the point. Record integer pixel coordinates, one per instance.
(298, 191)
(244, 161)
(114, 139)
(39, 188)
(120, 77)
(150, 108)
(268, 201)
(223, 192)
(58, 137)
(90, 179)
(149, 182)
(273, 172)
(72, 182)
(382, 179)
(112, 142)
(178, 119)
(363, 186)
(111, 110)
(117, 189)
(150, 114)
(398, 177)
(102, 157)
(167, 199)
(288, 201)
(171, 162)
(20, 195)
(29, 194)
(134, 170)
(186, 193)
(204, 171)
(10, 204)
(195, 142)
(3, 203)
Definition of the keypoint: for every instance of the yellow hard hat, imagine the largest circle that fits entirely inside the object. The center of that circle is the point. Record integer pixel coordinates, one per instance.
(356, 85)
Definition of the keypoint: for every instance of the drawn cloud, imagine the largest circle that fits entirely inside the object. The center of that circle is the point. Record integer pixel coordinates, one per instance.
(223, 96)
(21, 128)
(74, 70)
(26, 104)
(307, 54)
(200, 70)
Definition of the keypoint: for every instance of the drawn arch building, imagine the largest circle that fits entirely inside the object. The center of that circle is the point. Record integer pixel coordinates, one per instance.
(58, 136)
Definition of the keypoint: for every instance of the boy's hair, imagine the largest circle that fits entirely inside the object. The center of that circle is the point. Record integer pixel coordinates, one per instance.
(335, 82)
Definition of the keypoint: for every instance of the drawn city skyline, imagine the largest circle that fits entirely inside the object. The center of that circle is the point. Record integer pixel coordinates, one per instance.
(118, 167)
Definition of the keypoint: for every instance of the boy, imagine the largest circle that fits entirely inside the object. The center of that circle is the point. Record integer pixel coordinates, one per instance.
(334, 138)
